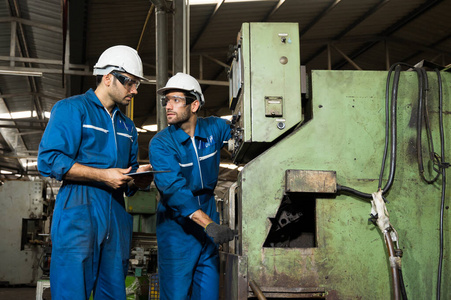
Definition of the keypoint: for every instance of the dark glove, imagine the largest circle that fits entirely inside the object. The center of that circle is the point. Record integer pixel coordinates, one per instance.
(220, 233)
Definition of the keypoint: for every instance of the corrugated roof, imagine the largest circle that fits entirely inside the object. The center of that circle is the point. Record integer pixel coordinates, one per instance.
(365, 30)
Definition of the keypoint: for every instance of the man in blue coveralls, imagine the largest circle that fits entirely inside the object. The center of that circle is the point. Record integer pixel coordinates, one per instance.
(91, 145)
(187, 221)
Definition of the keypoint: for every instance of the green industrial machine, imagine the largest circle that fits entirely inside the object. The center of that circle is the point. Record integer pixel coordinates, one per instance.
(265, 107)
(143, 259)
(303, 204)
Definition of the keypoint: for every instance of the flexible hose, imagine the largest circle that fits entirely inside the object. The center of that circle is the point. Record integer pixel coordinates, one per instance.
(422, 113)
(393, 127)
(390, 131)
(443, 167)
(401, 283)
(393, 267)
(440, 161)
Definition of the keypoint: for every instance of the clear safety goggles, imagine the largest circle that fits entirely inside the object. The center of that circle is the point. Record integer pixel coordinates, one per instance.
(127, 82)
(177, 100)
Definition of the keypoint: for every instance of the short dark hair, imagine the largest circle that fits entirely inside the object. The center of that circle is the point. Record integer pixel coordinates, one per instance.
(98, 79)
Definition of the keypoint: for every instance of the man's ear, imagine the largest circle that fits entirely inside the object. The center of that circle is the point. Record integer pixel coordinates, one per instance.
(195, 106)
(107, 79)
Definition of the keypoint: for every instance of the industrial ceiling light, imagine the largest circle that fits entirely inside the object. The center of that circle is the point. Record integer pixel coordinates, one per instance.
(20, 73)
(152, 127)
(205, 2)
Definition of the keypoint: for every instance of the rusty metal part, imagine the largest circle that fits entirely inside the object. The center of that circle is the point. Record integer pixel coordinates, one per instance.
(257, 291)
(310, 181)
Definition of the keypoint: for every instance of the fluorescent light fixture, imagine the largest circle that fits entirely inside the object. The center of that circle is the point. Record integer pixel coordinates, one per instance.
(140, 129)
(153, 127)
(228, 166)
(5, 172)
(199, 2)
(22, 115)
(32, 164)
(228, 117)
(205, 2)
(20, 73)
(230, 1)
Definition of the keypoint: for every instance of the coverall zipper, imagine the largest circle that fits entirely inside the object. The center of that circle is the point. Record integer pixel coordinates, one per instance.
(111, 195)
(200, 170)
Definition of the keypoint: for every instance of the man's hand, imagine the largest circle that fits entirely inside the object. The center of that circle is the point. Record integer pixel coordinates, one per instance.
(220, 233)
(116, 177)
(113, 177)
(144, 180)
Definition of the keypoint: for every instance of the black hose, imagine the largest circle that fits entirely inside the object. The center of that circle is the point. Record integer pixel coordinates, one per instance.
(443, 166)
(345, 189)
(390, 131)
(423, 114)
(393, 130)
(401, 283)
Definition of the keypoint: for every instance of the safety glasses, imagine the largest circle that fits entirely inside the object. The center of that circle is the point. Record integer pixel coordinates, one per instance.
(177, 100)
(127, 82)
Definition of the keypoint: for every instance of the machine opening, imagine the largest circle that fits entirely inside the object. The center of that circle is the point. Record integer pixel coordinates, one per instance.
(295, 223)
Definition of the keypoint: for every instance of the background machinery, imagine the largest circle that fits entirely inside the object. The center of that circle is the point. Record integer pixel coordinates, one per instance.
(340, 180)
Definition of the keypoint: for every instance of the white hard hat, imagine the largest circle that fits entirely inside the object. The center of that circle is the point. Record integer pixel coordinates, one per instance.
(184, 82)
(120, 58)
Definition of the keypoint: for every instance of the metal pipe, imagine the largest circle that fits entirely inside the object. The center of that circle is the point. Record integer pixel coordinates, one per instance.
(394, 268)
(161, 58)
(256, 290)
(178, 46)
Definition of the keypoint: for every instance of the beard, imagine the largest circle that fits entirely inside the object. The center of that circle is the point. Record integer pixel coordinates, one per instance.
(179, 118)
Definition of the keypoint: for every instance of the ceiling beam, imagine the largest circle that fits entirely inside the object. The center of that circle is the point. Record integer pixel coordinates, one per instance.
(31, 23)
(210, 18)
(354, 24)
(274, 10)
(392, 29)
(321, 15)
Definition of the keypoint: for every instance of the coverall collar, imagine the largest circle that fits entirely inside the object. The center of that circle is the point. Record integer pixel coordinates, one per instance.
(93, 97)
(182, 136)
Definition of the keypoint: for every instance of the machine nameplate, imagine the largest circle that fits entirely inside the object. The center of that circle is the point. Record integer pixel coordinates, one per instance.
(273, 106)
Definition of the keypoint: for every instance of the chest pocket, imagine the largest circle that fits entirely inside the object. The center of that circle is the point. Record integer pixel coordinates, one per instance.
(124, 148)
(186, 167)
(94, 143)
(210, 169)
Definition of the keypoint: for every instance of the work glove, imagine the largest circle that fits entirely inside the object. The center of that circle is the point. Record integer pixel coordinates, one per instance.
(220, 233)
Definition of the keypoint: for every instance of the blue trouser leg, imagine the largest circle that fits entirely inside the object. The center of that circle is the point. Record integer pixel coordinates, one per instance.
(206, 274)
(180, 268)
(72, 271)
(187, 257)
(114, 256)
(83, 259)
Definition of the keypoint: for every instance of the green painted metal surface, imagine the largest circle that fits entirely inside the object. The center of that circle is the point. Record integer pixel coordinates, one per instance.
(142, 206)
(270, 101)
(346, 135)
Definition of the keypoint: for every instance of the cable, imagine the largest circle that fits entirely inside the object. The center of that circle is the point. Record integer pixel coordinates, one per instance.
(393, 127)
(423, 114)
(443, 166)
(390, 131)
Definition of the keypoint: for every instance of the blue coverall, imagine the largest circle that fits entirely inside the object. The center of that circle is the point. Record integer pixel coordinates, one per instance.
(91, 231)
(186, 255)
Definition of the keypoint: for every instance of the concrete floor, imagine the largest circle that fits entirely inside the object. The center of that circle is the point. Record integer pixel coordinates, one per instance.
(22, 293)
